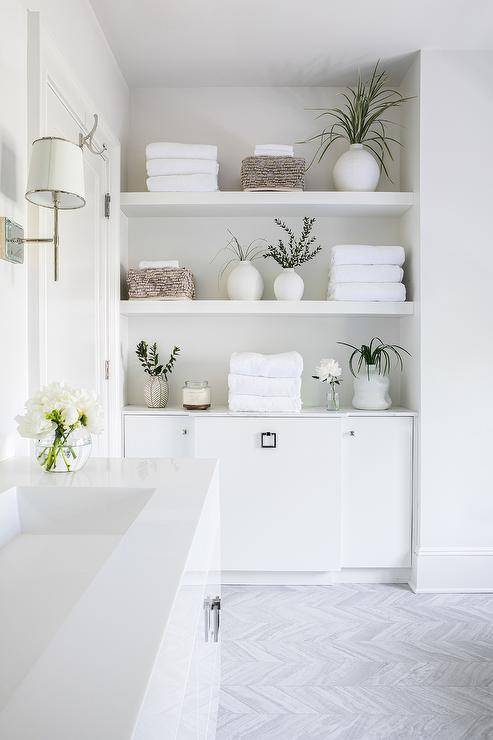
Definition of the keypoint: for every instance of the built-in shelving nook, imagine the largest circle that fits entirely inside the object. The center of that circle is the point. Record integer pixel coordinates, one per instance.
(193, 228)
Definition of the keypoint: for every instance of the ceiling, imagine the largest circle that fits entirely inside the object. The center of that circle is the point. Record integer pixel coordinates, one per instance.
(188, 43)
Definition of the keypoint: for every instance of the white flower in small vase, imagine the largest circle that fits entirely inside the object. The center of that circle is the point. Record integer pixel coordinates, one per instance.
(61, 419)
(329, 371)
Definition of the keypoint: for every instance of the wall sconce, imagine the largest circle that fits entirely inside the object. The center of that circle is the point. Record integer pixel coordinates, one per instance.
(56, 180)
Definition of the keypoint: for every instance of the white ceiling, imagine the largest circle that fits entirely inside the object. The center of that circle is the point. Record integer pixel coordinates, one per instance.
(181, 43)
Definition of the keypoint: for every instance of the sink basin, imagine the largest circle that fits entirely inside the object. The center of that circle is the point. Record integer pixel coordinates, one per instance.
(53, 542)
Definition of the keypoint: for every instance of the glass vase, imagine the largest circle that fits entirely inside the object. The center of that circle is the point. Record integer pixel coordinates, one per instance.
(332, 399)
(59, 454)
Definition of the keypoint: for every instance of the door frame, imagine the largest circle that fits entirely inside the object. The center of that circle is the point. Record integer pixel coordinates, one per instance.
(48, 73)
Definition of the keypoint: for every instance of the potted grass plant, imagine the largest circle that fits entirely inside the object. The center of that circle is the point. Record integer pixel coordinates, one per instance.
(244, 283)
(370, 366)
(156, 389)
(363, 123)
(288, 285)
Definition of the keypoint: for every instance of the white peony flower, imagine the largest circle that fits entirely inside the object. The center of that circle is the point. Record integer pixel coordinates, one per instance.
(34, 424)
(75, 406)
(328, 370)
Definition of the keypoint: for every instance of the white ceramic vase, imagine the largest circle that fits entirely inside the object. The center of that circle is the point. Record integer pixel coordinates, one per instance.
(245, 282)
(371, 391)
(156, 392)
(356, 170)
(288, 285)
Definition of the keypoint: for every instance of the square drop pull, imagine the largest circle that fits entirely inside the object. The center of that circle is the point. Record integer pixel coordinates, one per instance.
(268, 440)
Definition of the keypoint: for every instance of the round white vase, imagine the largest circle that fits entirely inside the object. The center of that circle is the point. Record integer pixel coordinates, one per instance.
(156, 392)
(356, 170)
(245, 282)
(371, 392)
(288, 285)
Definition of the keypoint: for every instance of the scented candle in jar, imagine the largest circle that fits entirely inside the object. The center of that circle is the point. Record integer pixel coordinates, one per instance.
(196, 395)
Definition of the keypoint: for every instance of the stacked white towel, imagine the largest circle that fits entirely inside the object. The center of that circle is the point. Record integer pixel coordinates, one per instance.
(274, 150)
(173, 167)
(265, 383)
(365, 272)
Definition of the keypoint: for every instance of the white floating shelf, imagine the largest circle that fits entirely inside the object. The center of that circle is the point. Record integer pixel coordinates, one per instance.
(232, 203)
(264, 308)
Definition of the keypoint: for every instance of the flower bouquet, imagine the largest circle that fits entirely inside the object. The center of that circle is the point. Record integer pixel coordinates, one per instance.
(329, 371)
(61, 420)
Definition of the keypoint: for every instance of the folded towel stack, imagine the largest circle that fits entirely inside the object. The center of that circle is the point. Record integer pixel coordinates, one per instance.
(363, 272)
(273, 150)
(181, 167)
(265, 383)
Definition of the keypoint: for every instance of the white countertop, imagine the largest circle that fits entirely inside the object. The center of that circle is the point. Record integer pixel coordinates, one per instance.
(307, 412)
(90, 679)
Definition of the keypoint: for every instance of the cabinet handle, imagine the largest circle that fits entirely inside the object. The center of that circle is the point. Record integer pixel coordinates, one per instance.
(352, 433)
(268, 440)
(212, 607)
(184, 432)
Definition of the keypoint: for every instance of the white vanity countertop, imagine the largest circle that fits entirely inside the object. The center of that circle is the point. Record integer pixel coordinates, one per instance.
(90, 679)
(307, 412)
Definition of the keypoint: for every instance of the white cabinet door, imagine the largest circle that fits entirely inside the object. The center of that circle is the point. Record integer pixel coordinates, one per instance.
(376, 492)
(158, 436)
(280, 506)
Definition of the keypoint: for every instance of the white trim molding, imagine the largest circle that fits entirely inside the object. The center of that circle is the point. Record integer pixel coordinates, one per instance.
(453, 570)
(315, 578)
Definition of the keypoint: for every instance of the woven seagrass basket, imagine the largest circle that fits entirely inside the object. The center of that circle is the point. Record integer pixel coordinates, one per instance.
(160, 283)
(272, 173)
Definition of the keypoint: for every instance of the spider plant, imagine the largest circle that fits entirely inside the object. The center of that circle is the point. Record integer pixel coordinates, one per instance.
(377, 354)
(362, 120)
(238, 252)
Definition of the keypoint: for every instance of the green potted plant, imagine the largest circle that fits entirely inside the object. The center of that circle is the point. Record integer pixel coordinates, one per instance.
(288, 285)
(370, 367)
(362, 122)
(156, 389)
(245, 283)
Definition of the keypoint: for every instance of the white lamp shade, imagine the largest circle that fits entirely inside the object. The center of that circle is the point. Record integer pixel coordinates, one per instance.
(56, 172)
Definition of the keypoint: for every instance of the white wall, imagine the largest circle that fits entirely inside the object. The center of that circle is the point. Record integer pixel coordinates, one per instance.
(76, 34)
(13, 317)
(234, 118)
(456, 315)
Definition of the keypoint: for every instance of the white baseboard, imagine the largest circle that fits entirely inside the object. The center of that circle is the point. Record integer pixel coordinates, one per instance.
(303, 578)
(453, 570)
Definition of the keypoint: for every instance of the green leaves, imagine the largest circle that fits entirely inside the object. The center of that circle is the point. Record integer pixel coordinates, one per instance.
(377, 354)
(149, 359)
(362, 121)
(297, 251)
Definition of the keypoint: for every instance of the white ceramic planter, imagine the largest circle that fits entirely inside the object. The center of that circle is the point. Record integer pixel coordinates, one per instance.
(288, 285)
(371, 393)
(156, 392)
(356, 170)
(245, 283)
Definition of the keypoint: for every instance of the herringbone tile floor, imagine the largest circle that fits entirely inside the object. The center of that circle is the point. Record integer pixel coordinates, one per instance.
(355, 662)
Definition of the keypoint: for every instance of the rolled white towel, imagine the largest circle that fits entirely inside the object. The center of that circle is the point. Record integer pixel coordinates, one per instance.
(250, 385)
(274, 150)
(181, 167)
(282, 365)
(182, 183)
(367, 254)
(264, 404)
(175, 150)
(366, 292)
(143, 264)
(366, 274)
